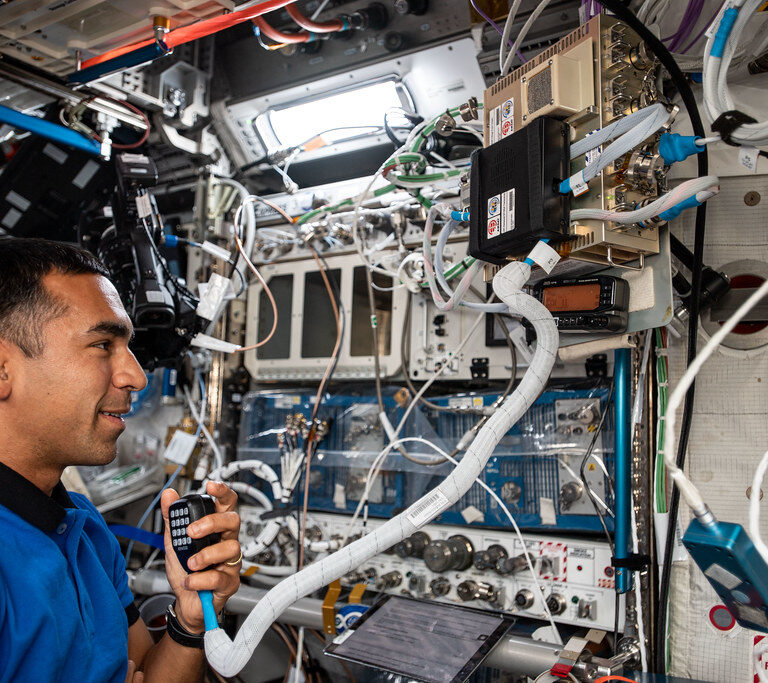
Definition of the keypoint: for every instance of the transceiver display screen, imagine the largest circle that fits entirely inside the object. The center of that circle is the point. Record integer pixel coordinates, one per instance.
(572, 298)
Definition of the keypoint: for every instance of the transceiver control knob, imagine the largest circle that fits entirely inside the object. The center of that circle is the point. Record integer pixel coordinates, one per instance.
(452, 553)
(511, 565)
(440, 586)
(475, 590)
(413, 546)
(389, 580)
(487, 559)
(556, 603)
(524, 599)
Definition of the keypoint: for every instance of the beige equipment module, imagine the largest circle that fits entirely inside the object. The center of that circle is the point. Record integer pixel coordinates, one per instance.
(592, 76)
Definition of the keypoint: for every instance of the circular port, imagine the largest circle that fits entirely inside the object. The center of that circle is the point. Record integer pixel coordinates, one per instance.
(556, 603)
(440, 587)
(524, 599)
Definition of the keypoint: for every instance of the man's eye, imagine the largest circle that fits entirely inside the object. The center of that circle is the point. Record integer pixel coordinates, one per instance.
(103, 345)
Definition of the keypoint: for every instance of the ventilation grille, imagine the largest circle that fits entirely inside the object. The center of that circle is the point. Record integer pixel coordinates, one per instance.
(540, 90)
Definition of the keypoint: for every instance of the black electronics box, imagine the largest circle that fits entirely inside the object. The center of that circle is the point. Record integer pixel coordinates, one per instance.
(514, 195)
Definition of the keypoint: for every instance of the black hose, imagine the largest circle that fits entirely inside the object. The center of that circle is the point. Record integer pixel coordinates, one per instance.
(657, 47)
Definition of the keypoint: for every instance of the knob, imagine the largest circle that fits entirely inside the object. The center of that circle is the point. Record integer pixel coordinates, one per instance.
(389, 580)
(475, 590)
(413, 546)
(487, 559)
(452, 553)
(440, 586)
(570, 492)
(511, 565)
(524, 599)
(556, 603)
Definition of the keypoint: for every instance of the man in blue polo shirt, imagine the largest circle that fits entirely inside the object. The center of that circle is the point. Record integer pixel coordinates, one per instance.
(66, 377)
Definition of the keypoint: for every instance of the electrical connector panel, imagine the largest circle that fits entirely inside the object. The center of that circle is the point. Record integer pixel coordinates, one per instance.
(488, 570)
(557, 83)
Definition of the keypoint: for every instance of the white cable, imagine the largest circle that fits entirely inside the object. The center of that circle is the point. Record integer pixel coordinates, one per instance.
(521, 36)
(510, 516)
(717, 96)
(375, 467)
(250, 220)
(437, 271)
(506, 33)
(687, 489)
(218, 457)
(754, 507)
(229, 657)
(701, 188)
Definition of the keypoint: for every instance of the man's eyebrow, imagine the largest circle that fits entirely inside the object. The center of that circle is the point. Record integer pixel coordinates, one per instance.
(113, 329)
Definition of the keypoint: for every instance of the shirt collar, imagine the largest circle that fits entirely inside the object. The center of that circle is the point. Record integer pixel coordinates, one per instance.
(27, 501)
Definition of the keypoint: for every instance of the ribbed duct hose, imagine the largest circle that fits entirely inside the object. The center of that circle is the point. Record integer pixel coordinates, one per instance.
(229, 657)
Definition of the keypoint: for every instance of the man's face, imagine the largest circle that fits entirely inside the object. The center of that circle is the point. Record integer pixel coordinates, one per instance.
(63, 398)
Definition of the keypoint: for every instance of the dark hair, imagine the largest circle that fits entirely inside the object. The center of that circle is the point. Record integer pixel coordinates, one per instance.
(25, 305)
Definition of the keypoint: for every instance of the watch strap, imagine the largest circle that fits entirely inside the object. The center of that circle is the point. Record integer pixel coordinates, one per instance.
(179, 634)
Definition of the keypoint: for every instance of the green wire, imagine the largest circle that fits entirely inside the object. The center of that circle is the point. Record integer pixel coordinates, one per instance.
(661, 376)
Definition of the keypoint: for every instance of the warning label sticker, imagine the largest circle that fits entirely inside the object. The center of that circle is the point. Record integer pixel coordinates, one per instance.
(501, 213)
(508, 109)
(493, 228)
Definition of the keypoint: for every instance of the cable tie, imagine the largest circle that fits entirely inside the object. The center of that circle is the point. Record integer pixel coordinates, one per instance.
(635, 562)
(727, 123)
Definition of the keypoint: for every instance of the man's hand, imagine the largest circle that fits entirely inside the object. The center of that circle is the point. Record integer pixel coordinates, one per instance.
(133, 676)
(221, 578)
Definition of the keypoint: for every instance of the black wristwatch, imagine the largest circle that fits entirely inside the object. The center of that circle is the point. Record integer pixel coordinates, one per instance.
(178, 633)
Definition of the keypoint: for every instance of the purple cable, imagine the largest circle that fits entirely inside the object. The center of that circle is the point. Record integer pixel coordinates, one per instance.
(496, 26)
(706, 26)
(687, 24)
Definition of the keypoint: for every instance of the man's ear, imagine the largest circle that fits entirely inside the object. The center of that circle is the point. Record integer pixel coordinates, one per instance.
(5, 370)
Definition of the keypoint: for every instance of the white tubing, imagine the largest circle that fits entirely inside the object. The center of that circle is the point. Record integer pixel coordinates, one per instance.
(754, 508)
(228, 657)
(687, 489)
(701, 188)
(255, 467)
(717, 96)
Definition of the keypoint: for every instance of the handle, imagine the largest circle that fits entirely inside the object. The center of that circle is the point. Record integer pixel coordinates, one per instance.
(209, 613)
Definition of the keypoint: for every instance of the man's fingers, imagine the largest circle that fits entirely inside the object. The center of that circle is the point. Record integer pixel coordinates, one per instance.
(226, 551)
(130, 672)
(225, 523)
(169, 496)
(226, 498)
(219, 581)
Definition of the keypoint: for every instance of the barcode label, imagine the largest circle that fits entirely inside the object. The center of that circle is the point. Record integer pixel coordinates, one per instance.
(494, 125)
(428, 508)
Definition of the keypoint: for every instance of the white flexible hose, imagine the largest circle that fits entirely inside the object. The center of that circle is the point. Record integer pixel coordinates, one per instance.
(754, 507)
(717, 96)
(687, 489)
(228, 657)
(255, 467)
(701, 188)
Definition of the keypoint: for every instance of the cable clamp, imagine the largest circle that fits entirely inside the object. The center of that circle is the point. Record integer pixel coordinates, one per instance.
(635, 562)
(728, 122)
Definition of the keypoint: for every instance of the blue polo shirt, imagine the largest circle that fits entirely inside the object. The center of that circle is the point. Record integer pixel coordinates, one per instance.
(65, 605)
